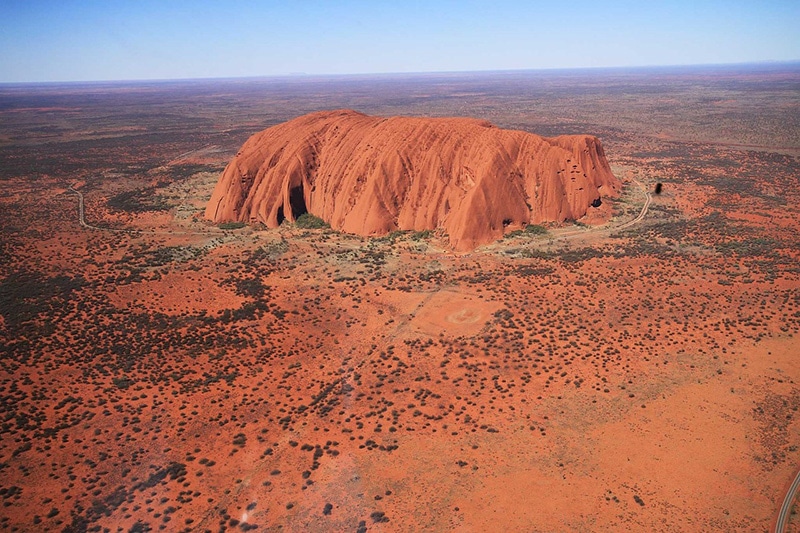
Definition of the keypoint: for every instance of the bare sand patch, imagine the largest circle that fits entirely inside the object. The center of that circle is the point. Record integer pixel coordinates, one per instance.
(454, 313)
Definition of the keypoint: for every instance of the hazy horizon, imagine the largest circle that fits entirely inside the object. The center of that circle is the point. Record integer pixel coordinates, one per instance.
(46, 41)
(636, 69)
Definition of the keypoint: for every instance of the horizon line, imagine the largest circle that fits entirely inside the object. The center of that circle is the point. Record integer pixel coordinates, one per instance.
(303, 75)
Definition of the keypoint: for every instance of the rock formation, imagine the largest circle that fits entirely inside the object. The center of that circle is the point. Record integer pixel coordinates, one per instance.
(372, 175)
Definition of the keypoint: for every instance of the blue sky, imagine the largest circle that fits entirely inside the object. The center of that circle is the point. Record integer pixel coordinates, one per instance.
(68, 40)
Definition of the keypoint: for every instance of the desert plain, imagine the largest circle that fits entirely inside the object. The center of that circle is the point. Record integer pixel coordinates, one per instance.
(634, 370)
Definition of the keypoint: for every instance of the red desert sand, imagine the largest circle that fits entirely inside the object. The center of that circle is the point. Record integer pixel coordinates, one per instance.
(160, 372)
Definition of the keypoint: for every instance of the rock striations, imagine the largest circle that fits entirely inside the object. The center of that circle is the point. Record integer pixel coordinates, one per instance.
(372, 175)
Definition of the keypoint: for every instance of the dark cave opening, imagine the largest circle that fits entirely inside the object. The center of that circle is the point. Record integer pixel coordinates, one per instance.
(297, 202)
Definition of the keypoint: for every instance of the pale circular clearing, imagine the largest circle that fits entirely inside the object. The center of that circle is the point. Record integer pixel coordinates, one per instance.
(464, 316)
(454, 313)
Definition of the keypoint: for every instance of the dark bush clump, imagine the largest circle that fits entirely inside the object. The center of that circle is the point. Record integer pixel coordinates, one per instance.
(309, 221)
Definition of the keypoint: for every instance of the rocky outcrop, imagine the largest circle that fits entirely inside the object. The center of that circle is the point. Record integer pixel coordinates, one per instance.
(372, 175)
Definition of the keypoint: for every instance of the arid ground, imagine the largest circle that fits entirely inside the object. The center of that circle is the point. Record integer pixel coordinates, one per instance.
(162, 373)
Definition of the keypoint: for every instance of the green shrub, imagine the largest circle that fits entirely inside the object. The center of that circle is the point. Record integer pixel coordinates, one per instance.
(232, 225)
(530, 229)
(309, 221)
(535, 229)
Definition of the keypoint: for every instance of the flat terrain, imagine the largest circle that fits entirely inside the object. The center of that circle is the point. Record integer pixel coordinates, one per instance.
(162, 373)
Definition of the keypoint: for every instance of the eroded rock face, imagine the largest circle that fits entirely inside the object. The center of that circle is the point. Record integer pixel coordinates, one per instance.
(373, 175)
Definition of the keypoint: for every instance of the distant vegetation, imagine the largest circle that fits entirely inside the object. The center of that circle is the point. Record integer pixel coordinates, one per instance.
(24, 295)
(179, 172)
(138, 201)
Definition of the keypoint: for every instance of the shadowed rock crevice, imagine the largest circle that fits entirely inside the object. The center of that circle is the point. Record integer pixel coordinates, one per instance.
(297, 202)
(373, 175)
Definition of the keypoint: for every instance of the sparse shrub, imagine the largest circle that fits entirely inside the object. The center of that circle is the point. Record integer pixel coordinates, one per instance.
(270, 251)
(123, 383)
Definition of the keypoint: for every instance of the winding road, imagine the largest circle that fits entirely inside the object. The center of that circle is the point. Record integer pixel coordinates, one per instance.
(648, 199)
(785, 511)
(82, 213)
(82, 222)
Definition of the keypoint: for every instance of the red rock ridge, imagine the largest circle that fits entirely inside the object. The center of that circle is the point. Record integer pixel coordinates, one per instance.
(372, 175)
